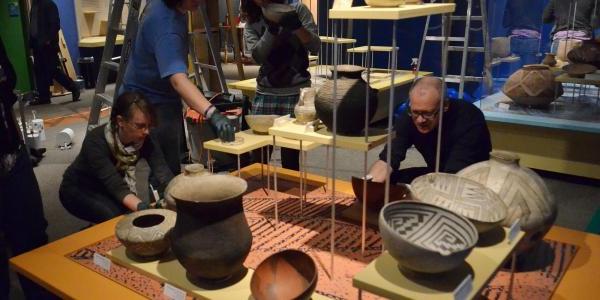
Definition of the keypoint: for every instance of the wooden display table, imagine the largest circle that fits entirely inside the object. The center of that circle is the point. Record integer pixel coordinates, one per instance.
(383, 277)
(254, 141)
(321, 135)
(98, 41)
(391, 13)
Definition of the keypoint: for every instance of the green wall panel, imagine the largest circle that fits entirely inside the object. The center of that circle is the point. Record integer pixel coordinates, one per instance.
(12, 33)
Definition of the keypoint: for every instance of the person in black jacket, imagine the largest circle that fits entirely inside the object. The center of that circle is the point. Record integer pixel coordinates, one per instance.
(43, 40)
(101, 183)
(22, 221)
(465, 136)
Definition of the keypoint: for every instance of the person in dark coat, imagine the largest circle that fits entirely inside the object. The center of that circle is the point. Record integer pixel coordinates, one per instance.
(101, 183)
(22, 221)
(465, 136)
(43, 40)
(570, 22)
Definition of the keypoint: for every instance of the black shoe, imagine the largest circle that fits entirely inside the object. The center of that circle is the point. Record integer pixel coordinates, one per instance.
(76, 93)
(39, 153)
(39, 101)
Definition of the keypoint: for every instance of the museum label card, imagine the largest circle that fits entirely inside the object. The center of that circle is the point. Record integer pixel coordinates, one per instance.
(173, 292)
(514, 230)
(464, 288)
(102, 262)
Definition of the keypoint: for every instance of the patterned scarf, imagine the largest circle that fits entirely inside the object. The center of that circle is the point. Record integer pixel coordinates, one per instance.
(127, 157)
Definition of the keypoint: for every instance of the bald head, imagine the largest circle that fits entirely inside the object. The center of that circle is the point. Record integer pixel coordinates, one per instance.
(425, 96)
(426, 86)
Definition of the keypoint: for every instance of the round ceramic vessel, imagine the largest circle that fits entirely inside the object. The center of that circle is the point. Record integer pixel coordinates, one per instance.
(579, 70)
(274, 11)
(211, 237)
(501, 47)
(189, 171)
(376, 193)
(463, 196)
(385, 3)
(144, 233)
(289, 274)
(532, 85)
(426, 238)
(522, 190)
(260, 123)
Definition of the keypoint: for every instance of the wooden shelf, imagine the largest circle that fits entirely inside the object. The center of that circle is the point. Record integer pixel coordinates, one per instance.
(391, 13)
(330, 40)
(253, 141)
(321, 135)
(364, 49)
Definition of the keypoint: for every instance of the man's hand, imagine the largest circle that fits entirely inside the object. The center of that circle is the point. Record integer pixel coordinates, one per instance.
(290, 21)
(222, 126)
(379, 171)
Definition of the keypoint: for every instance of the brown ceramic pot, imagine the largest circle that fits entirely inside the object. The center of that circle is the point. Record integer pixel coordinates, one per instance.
(144, 233)
(579, 70)
(376, 193)
(522, 190)
(588, 53)
(350, 101)
(532, 85)
(211, 237)
(550, 60)
(189, 172)
(289, 274)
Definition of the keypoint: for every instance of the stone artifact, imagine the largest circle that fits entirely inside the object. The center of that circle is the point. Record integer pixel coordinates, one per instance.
(549, 60)
(189, 172)
(579, 70)
(425, 238)
(532, 85)
(305, 110)
(385, 3)
(523, 191)
(465, 197)
(565, 46)
(144, 233)
(376, 193)
(260, 124)
(587, 53)
(501, 47)
(350, 100)
(211, 237)
(289, 274)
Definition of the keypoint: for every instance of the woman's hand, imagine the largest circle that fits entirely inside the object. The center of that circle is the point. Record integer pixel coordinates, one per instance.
(133, 203)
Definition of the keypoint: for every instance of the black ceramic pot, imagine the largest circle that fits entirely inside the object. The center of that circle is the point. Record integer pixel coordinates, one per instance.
(211, 237)
(350, 101)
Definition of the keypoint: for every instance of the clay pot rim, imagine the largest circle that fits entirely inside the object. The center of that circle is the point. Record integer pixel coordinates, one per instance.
(505, 156)
(470, 224)
(313, 265)
(193, 169)
(243, 186)
(122, 233)
(500, 205)
(536, 67)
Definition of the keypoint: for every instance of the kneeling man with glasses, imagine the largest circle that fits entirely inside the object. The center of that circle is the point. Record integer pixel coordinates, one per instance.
(465, 136)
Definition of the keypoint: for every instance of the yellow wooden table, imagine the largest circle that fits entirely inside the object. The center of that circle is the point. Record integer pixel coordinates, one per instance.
(382, 276)
(98, 41)
(50, 267)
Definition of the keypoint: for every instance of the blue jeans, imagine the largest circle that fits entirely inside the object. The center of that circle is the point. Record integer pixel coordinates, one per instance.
(527, 49)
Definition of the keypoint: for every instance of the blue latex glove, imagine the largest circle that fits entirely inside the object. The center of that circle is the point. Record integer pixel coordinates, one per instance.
(221, 124)
(143, 205)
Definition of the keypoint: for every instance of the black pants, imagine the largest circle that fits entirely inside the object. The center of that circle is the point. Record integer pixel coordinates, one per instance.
(89, 203)
(22, 222)
(46, 66)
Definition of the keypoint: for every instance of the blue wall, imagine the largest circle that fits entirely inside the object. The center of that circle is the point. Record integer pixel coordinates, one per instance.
(68, 24)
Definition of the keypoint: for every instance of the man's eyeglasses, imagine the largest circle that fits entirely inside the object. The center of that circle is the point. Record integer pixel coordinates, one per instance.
(430, 115)
(138, 126)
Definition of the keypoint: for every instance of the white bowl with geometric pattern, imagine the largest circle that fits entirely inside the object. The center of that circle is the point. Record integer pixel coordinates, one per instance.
(463, 196)
(425, 238)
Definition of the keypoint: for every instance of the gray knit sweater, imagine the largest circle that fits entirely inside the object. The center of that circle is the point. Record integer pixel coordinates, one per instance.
(283, 58)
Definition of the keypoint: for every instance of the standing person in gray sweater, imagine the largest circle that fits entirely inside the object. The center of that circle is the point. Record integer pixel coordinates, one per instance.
(281, 48)
(569, 23)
